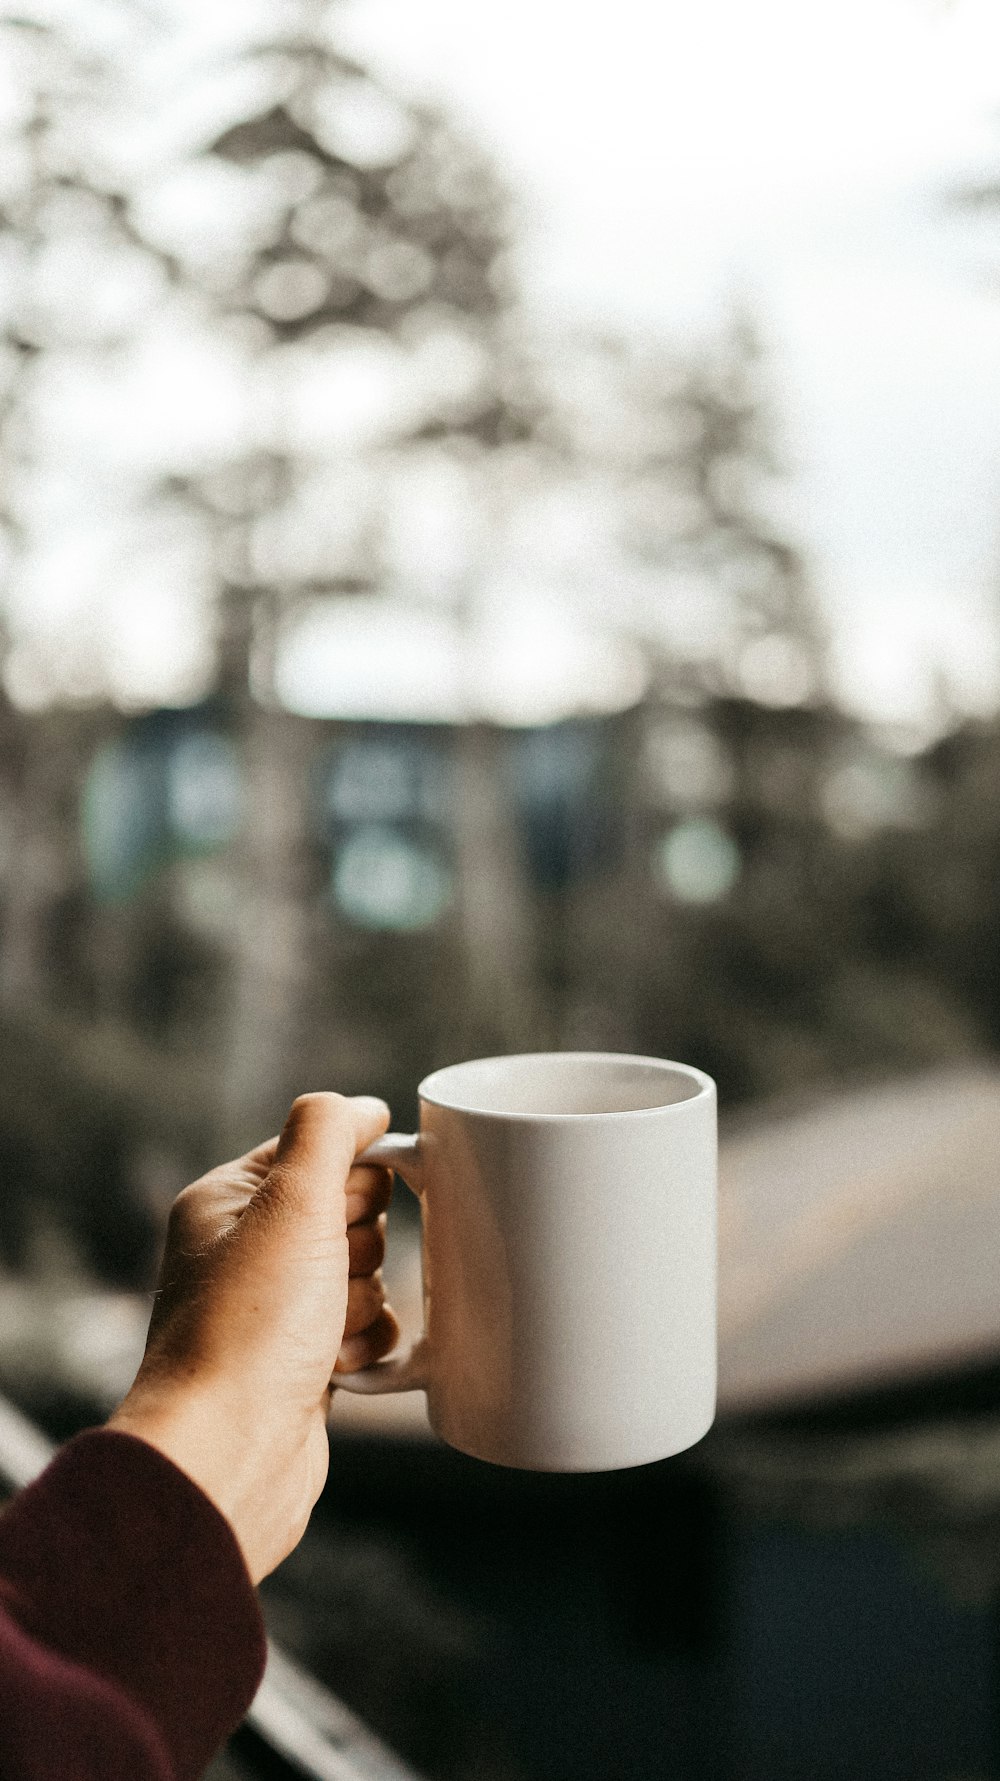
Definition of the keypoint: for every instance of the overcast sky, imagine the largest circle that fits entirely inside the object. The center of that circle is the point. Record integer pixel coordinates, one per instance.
(798, 158)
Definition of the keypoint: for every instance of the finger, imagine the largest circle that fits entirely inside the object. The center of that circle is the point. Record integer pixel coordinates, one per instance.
(322, 1135)
(369, 1190)
(370, 1345)
(366, 1245)
(203, 1211)
(365, 1299)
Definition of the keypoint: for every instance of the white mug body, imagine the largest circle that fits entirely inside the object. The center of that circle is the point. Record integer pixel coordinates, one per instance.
(569, 1258)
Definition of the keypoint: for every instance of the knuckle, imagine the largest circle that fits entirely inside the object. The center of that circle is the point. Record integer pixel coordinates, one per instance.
(366, 1234)
(370, 1288)
(186, 1207)
(367, 1246)
(366, 1178)
(369, 1190)
(383, 1334)
(365, 1299)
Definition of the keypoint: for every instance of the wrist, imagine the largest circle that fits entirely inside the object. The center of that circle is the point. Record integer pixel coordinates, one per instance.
(264, 1480)
(193, 1436)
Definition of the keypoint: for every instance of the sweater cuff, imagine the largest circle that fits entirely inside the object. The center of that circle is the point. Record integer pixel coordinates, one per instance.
(116, 1559)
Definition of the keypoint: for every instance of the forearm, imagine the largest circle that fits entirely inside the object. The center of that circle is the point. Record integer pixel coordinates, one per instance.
(131, 1641)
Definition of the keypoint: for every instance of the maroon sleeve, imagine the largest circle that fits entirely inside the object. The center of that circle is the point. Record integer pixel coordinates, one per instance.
(131, 1641)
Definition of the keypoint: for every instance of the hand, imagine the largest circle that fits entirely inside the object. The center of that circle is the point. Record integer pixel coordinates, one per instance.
(269, 1280)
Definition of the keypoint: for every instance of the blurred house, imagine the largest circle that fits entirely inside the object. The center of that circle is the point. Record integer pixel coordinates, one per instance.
(206, 909)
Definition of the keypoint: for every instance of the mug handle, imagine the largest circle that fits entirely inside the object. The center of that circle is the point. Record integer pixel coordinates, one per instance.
(407, 1371)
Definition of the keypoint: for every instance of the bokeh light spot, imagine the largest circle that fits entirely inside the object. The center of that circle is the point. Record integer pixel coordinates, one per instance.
(291, 289)
(204, 790)
(698, 861)
(383, 880)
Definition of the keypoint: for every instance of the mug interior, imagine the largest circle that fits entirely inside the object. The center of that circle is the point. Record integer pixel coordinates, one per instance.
(563, 1084)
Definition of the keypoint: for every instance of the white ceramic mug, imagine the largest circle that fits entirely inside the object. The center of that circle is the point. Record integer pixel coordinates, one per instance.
(569, 1259)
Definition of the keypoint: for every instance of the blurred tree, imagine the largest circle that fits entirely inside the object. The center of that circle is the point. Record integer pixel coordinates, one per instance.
(366, 264)
(681, 456)
(329, 242)
(367, 245)
(393, 433)
(73, 274)
(704, 508)
(947, 895)
(676, 455)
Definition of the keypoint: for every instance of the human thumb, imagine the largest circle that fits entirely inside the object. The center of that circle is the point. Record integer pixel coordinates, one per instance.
(321, 1138)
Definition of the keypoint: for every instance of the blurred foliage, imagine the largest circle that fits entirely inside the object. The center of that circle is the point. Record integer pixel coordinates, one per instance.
(205, 908)
(332, 226)
(374, 222)
(682, 449)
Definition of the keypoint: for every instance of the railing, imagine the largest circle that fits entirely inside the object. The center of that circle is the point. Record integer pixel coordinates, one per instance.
(293, 1714)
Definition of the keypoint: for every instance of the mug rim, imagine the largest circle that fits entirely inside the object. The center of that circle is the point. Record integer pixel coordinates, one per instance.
(705, 1087)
